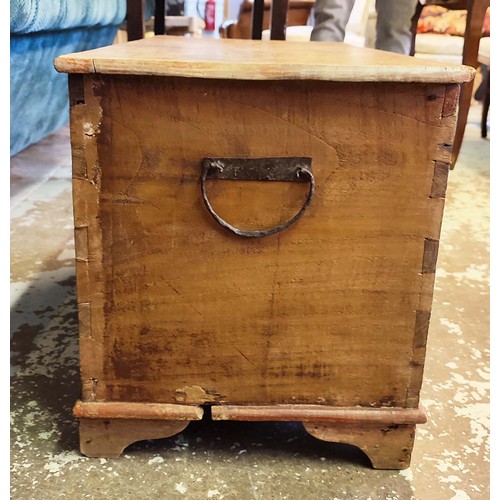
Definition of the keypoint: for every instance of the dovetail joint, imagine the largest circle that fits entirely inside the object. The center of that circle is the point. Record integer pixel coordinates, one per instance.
(440, 179)
(430, 256)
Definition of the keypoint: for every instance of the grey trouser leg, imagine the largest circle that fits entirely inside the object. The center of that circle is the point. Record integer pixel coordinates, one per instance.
(394, 25)
(330, 20)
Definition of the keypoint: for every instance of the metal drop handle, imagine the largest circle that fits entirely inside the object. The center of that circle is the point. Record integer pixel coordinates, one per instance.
(295, 169)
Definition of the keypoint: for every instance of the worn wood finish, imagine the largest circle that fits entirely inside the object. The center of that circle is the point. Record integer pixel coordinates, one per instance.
(320, 413)
(387, 446)
(325, 322)
(259, 60)
(140, 411)
(107, 438)
(224, 312)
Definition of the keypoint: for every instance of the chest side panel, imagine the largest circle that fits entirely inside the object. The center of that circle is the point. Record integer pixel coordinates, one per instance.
(332, 310)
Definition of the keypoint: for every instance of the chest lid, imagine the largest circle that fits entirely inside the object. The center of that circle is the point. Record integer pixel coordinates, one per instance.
(259, 60)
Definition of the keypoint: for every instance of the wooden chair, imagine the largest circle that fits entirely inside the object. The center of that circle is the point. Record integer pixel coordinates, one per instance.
(163, 24)
(296, 14)
(136, 18)
(476, 10)
(253, 16)
(277, 23)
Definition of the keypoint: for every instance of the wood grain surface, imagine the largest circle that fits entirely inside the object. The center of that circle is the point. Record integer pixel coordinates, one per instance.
(318, 413)
(138, 411)
(108, 438)
(332, 311)
(387, 447)
(259, 60)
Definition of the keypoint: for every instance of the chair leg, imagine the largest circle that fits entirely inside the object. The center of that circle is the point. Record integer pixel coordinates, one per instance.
(414, 26)
(463, 113)
(279, 10)
(136, 26)
(257, 19)
(159, 26)
(486, 107)
(475, 18)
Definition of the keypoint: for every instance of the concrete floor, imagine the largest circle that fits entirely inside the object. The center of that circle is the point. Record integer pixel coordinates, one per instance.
(234, 460)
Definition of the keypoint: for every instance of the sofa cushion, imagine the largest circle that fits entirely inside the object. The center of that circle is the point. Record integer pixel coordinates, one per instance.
(29, 16)
(433, 43)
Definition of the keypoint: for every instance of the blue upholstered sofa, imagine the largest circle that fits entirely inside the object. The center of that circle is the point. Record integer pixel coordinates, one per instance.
(40, 31)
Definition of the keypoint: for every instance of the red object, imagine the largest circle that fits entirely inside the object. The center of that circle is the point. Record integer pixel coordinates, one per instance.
(210, 15)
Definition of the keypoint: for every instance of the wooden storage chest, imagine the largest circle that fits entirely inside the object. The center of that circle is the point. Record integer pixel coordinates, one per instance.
(257, 227)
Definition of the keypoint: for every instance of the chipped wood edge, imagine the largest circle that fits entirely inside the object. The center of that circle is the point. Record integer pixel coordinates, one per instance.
(451, 100)
(141, 411)
(320, 413)
(85, 116)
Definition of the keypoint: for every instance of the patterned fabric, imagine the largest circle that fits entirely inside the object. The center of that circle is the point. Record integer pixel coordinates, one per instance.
(29, 16)
(436, 19)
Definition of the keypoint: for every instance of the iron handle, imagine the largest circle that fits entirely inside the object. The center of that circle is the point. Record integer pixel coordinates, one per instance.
(296, 169)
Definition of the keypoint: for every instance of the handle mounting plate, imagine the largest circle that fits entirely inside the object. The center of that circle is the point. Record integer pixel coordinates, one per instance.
(257, 169)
